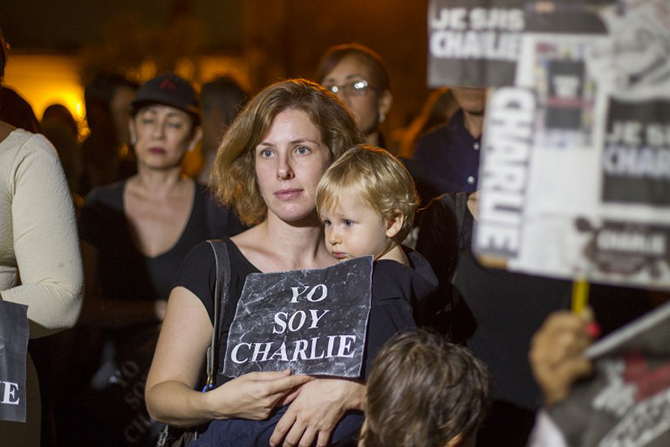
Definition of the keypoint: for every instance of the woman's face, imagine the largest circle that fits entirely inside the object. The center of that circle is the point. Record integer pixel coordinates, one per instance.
(162, 136)
(366, 104)
(290, 161)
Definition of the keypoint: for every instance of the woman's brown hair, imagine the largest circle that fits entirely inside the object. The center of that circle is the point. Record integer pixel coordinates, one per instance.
(233, 173)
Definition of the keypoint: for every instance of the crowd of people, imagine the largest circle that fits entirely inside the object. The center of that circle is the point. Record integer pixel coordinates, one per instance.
(295, 177)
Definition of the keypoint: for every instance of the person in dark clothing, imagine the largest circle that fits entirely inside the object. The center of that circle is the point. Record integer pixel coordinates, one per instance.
(447, 158)
(496, 312)
(107, 155)
(366, 200)
(135, 233)
(268, 167)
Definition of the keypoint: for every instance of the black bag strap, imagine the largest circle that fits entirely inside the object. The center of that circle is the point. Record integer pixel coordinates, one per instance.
(178, 437)
(222, 261)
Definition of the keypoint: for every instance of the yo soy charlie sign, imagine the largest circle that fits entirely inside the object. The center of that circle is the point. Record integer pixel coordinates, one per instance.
(310, 321)
(13, 349)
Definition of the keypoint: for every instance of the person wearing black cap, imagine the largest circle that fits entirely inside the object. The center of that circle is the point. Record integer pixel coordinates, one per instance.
(135, 234)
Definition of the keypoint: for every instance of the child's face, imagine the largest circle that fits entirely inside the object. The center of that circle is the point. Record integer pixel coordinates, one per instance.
(353, 229)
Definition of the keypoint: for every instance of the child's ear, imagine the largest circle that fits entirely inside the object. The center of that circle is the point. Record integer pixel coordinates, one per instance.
(394, 224)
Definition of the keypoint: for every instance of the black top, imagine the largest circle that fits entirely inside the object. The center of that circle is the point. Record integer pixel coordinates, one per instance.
(497, 312)
(394, 287)
(446, 160)
(123, 271)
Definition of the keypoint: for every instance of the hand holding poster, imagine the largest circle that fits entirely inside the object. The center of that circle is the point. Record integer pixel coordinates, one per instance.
(627, 401)
(13, 349)
(310, 321)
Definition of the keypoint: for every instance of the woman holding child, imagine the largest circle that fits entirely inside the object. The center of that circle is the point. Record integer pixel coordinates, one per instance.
(268, 167)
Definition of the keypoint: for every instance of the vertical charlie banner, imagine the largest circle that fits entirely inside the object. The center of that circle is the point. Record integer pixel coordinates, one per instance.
(310, 321)
(575, 171)
(13, 349)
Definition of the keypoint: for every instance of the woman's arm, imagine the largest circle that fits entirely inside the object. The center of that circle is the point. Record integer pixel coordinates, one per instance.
(180, 353)
(316, 410)
(109, 312)
(44, 241)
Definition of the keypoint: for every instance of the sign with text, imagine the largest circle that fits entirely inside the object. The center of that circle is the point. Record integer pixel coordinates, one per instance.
(310, 321)
(474, 42)
(627, 401)
(479, 42)
(575, 168)
(13, 350)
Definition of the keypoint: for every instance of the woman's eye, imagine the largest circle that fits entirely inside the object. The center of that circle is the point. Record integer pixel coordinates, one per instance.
(302, 150)
(175, 125)
(265, 153)
(147, 121)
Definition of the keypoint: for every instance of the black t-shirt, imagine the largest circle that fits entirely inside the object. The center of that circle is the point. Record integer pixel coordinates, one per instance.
(394, 288)
(123, 271)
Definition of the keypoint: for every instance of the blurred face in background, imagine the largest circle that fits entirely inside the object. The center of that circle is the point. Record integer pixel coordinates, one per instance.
(120, 111)
(162, 136)
(471, 99)
(354, 81)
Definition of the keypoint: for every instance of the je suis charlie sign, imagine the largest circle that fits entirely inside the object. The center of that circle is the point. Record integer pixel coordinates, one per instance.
(310, 321)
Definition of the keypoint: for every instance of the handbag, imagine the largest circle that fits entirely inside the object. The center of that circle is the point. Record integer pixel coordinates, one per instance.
(182, 437)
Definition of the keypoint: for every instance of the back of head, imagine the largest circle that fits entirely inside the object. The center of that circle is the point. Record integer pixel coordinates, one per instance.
(226, 95)
(374, 62)
(99, 93)
(233, 173)
(377, 177)
(57, 115)
(424, 392)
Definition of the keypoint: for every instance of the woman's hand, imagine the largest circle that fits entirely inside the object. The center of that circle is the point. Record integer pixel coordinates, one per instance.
(253, 395)
(556, 354)
(316, 410)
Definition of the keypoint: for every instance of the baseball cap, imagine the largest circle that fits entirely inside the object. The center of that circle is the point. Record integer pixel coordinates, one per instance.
(170, 90)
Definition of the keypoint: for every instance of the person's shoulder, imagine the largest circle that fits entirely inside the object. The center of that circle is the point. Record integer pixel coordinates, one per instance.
(110, 195)
(434, 136)
(391, 276)
(27, 143)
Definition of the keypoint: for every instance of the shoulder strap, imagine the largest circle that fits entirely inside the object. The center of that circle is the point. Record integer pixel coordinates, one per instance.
(220, 301)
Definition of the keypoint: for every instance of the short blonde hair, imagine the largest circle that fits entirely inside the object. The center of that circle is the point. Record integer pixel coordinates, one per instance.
(233, 173)
(377, 177)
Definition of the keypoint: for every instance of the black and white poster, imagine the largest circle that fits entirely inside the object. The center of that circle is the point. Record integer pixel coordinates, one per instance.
(474, 42)
(13, 350)
(636, 155)
(575, 160)
(627, 401)
(310, 321)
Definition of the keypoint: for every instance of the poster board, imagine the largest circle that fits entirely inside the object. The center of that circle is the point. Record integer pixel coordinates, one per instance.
(310, 321)
(575, 169)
